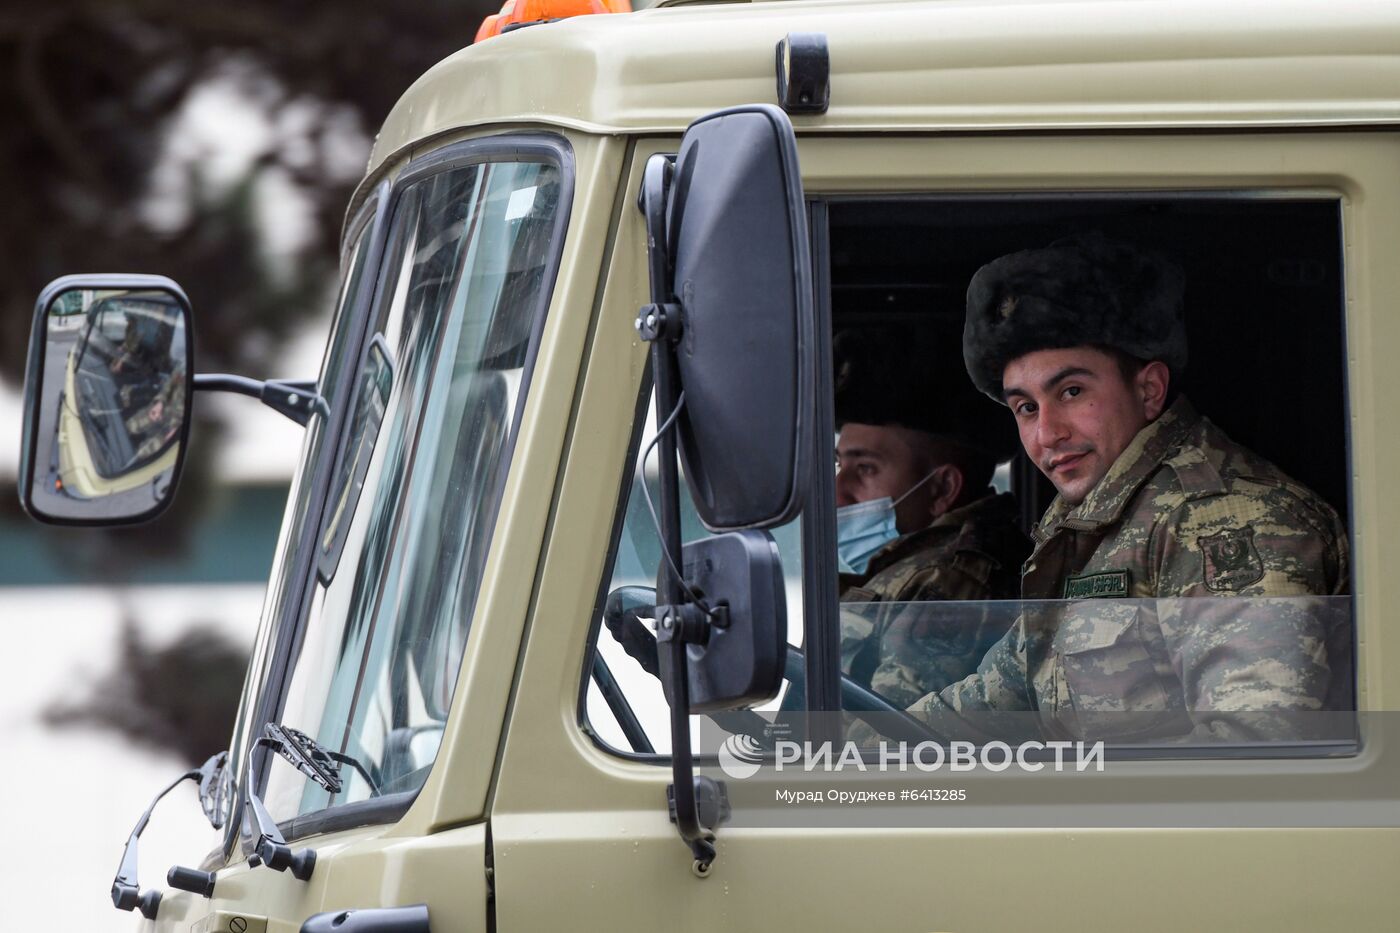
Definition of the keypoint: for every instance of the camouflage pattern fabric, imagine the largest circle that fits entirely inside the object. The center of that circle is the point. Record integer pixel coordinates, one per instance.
(892, 640)
(156, 423)
(1184, 598)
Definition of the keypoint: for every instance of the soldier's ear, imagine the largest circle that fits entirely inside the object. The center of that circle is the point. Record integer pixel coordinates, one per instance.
(1151, 384)
(950, 482)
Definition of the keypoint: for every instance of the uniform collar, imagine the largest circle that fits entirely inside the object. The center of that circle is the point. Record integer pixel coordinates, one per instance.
(991, 504)
(1105, 503)
(989, 501)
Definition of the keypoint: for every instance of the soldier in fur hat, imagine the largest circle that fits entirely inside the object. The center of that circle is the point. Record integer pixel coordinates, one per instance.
(917, 520)
(1082, 341)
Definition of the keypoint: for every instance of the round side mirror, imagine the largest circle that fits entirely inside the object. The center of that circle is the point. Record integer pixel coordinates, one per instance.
(107, 399)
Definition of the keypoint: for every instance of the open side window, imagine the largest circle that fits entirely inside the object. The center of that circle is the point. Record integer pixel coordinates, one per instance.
(1199, 594)
(1264, 316)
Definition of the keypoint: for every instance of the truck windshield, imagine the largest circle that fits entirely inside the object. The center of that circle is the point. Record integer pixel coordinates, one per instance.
(409, 517)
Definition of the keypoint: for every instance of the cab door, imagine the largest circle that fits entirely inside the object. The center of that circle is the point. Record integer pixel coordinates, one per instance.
(1161, 838)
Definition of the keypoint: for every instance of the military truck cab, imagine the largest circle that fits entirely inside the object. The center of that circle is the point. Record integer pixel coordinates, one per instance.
(584, 377)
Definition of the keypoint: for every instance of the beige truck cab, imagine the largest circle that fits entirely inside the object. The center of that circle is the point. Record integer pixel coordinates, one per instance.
(566, 490)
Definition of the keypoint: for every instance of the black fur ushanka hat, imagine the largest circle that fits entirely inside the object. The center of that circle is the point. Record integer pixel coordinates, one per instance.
(896, 376)
(1080, 291)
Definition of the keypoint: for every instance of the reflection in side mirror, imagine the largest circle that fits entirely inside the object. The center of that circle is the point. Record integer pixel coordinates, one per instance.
(106, 399)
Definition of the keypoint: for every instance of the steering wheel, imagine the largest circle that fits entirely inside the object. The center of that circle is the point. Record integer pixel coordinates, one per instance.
(857, 699)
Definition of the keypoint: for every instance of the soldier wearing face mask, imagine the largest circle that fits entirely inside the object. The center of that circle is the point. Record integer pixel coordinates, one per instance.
(917, 520)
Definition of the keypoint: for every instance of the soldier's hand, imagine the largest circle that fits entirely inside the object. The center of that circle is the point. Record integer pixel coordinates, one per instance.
(909, 632)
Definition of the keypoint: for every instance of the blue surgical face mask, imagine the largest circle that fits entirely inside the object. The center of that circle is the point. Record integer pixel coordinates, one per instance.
(865, 527)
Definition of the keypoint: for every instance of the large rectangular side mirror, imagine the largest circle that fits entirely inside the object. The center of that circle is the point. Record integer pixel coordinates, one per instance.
(106, 400)
(737, 238)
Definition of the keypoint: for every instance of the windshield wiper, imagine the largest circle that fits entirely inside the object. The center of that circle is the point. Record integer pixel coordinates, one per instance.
(126, 892)
(313, 759)
(318, 763)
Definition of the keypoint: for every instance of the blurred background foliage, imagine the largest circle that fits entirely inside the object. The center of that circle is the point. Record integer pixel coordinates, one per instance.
(145, 696)
(108, 173)
(216, 143)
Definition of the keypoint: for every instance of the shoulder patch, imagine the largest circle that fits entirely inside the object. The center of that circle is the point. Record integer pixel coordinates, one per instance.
(1230, 561)
(1107, 585)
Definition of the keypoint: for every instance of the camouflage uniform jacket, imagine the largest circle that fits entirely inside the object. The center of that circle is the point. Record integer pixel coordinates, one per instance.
(903, 651)
(158, 420)
(1183, 512)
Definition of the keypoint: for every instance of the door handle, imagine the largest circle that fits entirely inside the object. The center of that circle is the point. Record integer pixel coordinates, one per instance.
(412, 919)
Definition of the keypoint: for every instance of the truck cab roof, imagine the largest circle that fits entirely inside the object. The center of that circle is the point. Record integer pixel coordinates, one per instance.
(929, 65)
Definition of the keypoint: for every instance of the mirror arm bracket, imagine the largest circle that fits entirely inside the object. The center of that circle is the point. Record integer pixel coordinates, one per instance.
(675, 675)
(688, 623)
(126, 890)
(661, 321)
(295, 398)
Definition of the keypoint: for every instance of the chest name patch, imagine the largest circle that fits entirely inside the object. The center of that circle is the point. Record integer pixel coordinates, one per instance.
(1106, 585)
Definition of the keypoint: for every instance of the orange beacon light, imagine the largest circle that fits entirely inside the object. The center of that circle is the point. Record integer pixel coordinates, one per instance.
(516, 14)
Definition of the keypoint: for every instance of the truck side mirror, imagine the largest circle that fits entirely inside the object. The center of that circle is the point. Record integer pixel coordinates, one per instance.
(107, 392)
(736, 643)
(743, 281)
(739, 664)
(731, 324)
